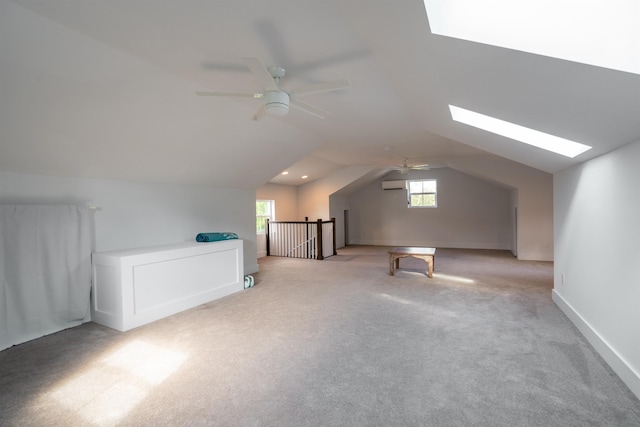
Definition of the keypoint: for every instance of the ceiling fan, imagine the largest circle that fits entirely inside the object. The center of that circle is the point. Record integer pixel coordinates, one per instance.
(405, 168)
(277, 101)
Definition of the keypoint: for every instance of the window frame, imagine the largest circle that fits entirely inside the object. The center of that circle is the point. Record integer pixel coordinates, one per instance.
(271, 215)
(423, 193)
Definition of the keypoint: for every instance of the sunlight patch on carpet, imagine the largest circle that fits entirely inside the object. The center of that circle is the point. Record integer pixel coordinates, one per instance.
(394, 298)
(459, 279)
(146, 361)
(108, 389)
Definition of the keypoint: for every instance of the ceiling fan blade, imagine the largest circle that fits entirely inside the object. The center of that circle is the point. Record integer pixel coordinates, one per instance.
(260, 71)
(238, 94)
(424, 167)
(260, 113)
(308, 108)
(320, 87)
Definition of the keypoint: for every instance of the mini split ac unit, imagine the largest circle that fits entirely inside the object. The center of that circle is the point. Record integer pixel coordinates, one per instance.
(394, 185)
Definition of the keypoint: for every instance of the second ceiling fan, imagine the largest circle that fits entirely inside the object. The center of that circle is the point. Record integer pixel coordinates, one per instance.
(277, 101)
(405, 168)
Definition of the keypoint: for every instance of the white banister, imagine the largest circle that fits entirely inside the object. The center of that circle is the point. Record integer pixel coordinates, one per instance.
(300, 239)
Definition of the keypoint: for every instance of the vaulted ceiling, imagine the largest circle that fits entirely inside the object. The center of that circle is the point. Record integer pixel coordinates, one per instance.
(106, 89)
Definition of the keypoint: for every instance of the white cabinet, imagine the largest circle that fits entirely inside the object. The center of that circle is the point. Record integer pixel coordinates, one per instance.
(138, 286)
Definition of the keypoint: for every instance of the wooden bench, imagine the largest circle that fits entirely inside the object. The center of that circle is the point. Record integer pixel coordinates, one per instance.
(427, 254)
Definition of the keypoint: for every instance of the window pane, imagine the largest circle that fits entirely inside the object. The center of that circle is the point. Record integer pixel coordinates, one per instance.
(415, 186)
(423, 200)
(262, 207)
(261, 224)
(264, 210)
(426, 186)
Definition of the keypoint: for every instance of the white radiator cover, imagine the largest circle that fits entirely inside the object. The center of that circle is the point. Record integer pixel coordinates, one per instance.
(138, 286)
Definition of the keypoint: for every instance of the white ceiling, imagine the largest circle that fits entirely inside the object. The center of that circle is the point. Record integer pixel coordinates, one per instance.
(106, 89)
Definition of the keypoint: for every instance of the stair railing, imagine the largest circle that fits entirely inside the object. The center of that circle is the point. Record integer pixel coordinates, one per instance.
(301, 239)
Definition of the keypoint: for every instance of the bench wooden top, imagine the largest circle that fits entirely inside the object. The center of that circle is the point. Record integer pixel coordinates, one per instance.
(412, 250)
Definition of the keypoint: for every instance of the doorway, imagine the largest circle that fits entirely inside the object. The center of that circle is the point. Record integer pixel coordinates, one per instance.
(346, 227)
(515, 232)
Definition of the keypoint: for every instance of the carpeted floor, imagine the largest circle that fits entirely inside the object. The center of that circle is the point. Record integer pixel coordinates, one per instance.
(333, 343)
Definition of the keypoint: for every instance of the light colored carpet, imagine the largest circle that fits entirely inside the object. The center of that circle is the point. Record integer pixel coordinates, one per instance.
(333, 343)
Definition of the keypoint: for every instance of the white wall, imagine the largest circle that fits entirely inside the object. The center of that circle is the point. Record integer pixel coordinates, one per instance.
(514, 219)
(597, 255)
(338, 204)
(471, 213)
(138, 214)
(313, 198)
(286, 199)
(316, 200)
(534, 200)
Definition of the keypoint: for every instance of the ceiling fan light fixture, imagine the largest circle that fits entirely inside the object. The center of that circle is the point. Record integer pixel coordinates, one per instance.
(276, 103)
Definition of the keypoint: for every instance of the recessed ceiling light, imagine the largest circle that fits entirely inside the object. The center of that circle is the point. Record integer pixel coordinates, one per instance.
(603, 33)
(529, 136)
(305, 176)
(285, 173)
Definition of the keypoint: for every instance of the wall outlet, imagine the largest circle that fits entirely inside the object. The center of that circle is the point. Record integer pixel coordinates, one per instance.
(562, 278)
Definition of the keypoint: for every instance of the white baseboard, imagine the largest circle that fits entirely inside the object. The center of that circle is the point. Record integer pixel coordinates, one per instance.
(455, 245)
(620, 366)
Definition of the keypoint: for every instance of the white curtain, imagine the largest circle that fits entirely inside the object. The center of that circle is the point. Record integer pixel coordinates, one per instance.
(45, 267)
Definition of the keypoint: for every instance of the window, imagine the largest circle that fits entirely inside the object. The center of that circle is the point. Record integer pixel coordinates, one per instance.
(423, 194)
(264, 209)
(604, 33)
(519, 133)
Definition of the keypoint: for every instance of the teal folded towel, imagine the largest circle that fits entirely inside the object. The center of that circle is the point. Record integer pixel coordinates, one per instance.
(215, 237)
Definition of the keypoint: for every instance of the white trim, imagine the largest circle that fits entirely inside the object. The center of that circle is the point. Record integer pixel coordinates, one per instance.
(620, 366)
(432, 243)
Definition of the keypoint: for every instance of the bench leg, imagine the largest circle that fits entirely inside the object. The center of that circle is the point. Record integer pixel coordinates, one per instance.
(430, 264)
(394, 263)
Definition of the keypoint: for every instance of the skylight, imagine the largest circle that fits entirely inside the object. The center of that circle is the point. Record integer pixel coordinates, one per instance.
(529, 136)
(604, 33)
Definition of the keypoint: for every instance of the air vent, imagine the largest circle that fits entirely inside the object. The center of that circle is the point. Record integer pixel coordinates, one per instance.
(394, 185)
